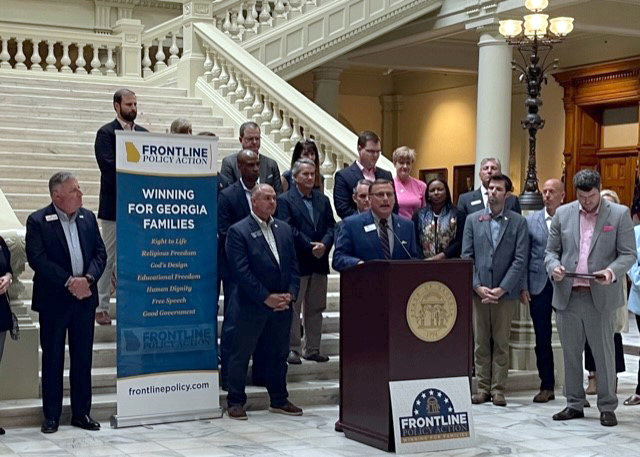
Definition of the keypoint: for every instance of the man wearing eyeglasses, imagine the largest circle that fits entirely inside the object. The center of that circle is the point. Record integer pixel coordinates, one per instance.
(375, 234)
(364, 168)
(250, 139)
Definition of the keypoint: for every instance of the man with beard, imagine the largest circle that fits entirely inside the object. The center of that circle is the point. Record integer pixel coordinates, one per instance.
(125, 104)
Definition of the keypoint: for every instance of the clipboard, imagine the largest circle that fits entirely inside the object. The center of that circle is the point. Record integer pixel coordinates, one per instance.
(589, 276)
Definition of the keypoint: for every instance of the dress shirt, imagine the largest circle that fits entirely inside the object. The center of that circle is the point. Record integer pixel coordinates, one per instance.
(265, 228)
(70, 230)
(247, 191)
(367, 174)
(485, 196)
(587, 227)
(496, 225)
(392, 240)
(308, 202)
(547, 219)
(128, 126)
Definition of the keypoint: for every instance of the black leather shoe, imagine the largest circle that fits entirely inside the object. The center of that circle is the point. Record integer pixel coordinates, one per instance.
(85, 422)
(1, 431)
(608, 418)
(49, 426)
(568, 414)
(317, 358)
(293, 358)
(338, 427)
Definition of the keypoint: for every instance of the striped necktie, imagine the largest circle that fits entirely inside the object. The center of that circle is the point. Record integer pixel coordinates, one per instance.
(384, 238)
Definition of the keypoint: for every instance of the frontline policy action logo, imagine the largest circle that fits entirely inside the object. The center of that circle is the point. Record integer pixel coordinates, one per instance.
(431, 311)
(433, 418)
(153, 153)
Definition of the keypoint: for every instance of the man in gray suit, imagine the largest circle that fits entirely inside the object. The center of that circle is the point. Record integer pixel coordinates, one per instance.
(497, 240)
(537, 288)
(589, 236)
(250, 139)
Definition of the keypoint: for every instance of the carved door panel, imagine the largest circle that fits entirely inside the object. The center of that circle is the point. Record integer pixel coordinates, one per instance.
(618, 174)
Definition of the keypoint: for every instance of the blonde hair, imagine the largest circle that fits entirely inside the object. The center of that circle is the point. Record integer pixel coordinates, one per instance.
(611, 194)
(404, 153)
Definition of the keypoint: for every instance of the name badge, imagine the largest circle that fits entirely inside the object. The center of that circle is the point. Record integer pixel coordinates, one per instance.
(256, 234)
(369, 228)
(476, 202)
(80, 216)
(51, 217)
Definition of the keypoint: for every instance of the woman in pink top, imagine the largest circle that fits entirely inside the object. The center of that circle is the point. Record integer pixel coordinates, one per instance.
(409, 191)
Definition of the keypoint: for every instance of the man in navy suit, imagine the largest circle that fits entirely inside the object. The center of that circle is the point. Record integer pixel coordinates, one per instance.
(66, 253)
(125, 104)
(262, 261)
(376, 234)
(363, 168)
(476, 200)
(309, 214)
(234, 204)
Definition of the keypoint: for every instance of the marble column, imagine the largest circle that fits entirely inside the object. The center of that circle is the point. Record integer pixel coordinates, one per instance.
(191, 64)
(493, 121)
(129, 55)
(392, 106)
(326, 88)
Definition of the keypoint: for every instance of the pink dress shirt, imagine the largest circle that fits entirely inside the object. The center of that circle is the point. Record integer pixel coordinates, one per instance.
(587, 227)
(410, 196)
(368, 174)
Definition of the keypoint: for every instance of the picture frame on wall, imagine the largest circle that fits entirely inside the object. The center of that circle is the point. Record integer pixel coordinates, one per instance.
(427, 174)
(463, 180)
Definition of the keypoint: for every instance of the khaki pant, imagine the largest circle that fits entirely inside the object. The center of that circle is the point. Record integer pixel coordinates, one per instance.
(104, 283)
(313, 293)
(492, 322)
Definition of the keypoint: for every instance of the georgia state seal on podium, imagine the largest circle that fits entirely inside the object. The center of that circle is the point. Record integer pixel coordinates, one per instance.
(431, 311)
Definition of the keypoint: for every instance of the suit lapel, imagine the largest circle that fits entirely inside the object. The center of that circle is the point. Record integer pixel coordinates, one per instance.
(486, 224)
(603, 216)
(398, 251)
(263, 171)
(478, 196)
(296, 198)
(242, 197)
(372, 236)
(543, 223)
(263, 241)
(81, 226)
(57, 228)
(317, 202)
(503, 228)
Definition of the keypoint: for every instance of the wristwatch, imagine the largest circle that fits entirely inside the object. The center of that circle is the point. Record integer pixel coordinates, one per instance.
(90, 279)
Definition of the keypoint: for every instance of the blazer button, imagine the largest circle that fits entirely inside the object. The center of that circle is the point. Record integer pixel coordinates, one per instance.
(576, 263)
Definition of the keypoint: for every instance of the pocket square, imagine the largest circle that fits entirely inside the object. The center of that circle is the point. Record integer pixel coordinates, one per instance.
(608, 228)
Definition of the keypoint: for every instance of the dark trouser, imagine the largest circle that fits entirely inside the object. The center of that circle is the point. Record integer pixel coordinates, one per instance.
(590, 364)
(77, 317)
(638, 386)
(258, 326)
(541, 310)
(3, 335)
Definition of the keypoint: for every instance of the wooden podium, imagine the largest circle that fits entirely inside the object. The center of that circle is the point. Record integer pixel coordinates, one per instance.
(378, 346)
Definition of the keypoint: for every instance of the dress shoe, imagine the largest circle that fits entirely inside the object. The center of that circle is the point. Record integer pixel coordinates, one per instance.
(49, 426)
(632, 400)
(103, 318)
(338, 427)
(592, 386)
(608, 418)
(2, 430)
(85, 422)
(499, 400)
(237, 412)
(293, 358)
(479, 398)
(289, 409)
(544, 396)
(568, 414)
(317, 358)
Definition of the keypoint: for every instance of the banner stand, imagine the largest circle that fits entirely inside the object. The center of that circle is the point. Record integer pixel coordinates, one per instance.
(131, 421)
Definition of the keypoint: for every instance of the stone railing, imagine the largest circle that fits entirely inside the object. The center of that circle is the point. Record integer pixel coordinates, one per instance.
(161, 46)
(235, 78)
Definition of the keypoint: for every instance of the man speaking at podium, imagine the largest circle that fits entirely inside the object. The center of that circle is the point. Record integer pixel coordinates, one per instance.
(375, 234)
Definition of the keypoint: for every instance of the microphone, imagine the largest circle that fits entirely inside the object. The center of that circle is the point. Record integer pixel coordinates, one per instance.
(402, 244)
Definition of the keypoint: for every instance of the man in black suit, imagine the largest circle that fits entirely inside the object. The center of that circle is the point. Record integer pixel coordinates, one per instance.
(250, 139)
(363, 168)
(125, 104)
(308, 212)
(66, 253)
(476, 200)
(262, 261)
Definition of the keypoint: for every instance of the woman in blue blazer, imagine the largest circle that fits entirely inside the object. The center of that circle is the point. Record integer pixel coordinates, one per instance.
(634, 307)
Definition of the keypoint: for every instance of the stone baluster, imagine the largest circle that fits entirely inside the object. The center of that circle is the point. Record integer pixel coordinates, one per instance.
(285, 131)
(234, 30)
(279, 13)
(146, 61)
(276, 123)
(95, 62)
(328, 167)
(226, 25)
(247, 101)
(208, 63)
(215, 72)
(295, 8)
(51, 58)
(250, 21)
(241, 21)
(4, 54)
(174, 50)
(160, 65)
(65, 60)
(295, 134)
(20, 57)
(224, 77)
(110, 64)
(265, 17)
(266, 114)
(240, 92)
(232, 85)
(257, 107)
(35, 56)
(80, 62)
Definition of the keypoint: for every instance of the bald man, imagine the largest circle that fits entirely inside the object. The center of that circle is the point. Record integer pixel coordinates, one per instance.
(537, 288)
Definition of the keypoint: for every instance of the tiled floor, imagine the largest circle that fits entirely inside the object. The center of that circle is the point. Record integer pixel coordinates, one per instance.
(521, 429)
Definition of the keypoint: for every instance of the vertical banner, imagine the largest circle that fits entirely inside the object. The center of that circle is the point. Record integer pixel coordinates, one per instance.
(167, 278)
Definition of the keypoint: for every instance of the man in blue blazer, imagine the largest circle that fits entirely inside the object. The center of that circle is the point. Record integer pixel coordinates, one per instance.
(476, 200)
(309, 214)
(262, 261)
(376, 234)
(125, 105)
(538, 289)
(68, 256)
(363, 168)
(497, 241)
